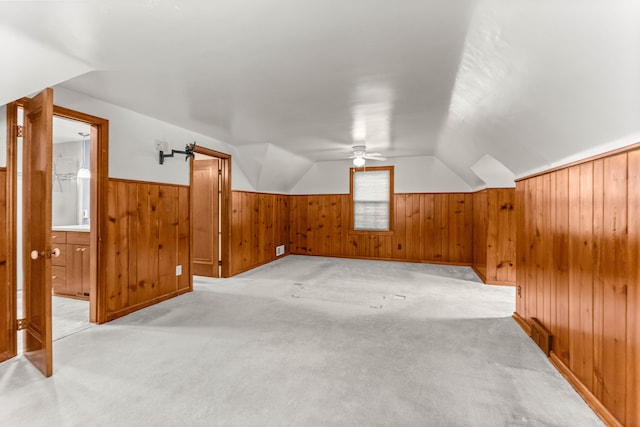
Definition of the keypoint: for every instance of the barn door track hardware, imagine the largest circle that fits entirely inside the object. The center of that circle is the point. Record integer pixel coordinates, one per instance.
(188, 152)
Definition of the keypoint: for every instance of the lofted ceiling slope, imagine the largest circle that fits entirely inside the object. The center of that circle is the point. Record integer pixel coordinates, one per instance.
(493, 89)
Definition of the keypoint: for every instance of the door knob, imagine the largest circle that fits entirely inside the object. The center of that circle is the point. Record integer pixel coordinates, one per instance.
(54, 253)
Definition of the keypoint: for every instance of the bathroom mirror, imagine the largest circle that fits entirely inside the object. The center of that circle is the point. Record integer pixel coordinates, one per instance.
(71, 174)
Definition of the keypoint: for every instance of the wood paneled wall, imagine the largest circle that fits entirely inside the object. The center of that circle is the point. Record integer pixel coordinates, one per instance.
(480, 230)
(579, 268)
(147, 236)
(427, 227)
(494, 240)
(259, 223)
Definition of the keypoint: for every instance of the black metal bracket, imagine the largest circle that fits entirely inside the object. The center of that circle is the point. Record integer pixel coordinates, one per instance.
(188, 152)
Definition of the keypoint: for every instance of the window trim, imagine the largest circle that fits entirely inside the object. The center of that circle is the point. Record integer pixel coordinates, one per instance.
(352, 171)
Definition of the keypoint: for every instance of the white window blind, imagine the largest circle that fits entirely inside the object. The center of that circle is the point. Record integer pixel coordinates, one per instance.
(371, 200)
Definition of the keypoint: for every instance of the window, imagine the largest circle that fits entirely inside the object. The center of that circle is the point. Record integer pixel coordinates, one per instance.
(371, 193)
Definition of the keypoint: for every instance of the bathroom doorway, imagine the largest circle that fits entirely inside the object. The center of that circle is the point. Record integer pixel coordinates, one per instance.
(70, 226)
(36, 255)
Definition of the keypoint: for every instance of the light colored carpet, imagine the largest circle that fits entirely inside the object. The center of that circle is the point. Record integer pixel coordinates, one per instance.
(304, 341)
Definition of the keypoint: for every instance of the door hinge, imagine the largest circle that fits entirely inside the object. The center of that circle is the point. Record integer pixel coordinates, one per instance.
(20, 130)
(21, 324)
(220, 263)
(220, 172)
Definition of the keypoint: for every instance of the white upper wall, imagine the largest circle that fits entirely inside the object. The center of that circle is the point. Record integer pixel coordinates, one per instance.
(34, 65)
(3, 136)
(133, 138)
(469, 83)
(493, 173)
(424, 174)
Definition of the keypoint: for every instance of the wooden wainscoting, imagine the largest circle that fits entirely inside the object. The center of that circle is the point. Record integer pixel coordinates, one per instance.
(147, 236)
(578, 231)
(480, 230)
(259, 223)
(494, 235)
(427, 228)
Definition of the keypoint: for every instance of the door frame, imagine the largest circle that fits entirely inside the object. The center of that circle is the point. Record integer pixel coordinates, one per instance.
(99, 166)
(10, 232)
(225, 207)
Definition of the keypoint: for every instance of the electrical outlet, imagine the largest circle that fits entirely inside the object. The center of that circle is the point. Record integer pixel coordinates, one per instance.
(279, 250)
(178, 270)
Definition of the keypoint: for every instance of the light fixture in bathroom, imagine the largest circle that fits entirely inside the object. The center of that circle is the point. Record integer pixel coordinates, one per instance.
(83, 172)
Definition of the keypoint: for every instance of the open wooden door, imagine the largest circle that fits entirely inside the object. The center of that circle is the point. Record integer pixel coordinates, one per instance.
(38, 114)
(206, 217)
(7, 293)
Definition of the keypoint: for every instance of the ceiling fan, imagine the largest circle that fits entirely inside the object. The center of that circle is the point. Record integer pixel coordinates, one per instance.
(360, 154)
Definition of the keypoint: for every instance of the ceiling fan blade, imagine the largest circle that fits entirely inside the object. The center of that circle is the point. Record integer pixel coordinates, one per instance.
(368, 157)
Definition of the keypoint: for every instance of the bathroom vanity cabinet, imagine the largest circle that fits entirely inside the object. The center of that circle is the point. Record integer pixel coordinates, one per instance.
(70, 270)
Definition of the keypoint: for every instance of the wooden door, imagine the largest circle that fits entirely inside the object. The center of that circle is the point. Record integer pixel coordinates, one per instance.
(206, 217)
(7, 293)
(36, 234)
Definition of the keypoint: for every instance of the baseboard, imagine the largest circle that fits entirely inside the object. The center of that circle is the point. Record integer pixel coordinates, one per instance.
(415, 261)
(81, 298)
(260, 264)
(584, 392)
(541, 336)
(499, 283)
(479, 273)
(133, 308)
(523, 323)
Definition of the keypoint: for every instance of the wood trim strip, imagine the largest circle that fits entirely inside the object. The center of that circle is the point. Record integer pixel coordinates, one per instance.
(11, 216)
(77, 116)
(132, 308)
(312, 195)
(584, 392)
(269, 194)
(370, 232)
(458, 264)
(395, 193)
(479, 273)
(435, 192)
(260, 264)
(499, 283)
(604, 155)
(210, 152)
(134, 181)
(523, 323)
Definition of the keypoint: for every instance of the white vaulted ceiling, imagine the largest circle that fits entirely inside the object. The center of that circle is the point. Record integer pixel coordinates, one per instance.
(492, 88)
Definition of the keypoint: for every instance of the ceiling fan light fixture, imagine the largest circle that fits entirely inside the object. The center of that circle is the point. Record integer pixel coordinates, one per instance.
(358, 161)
